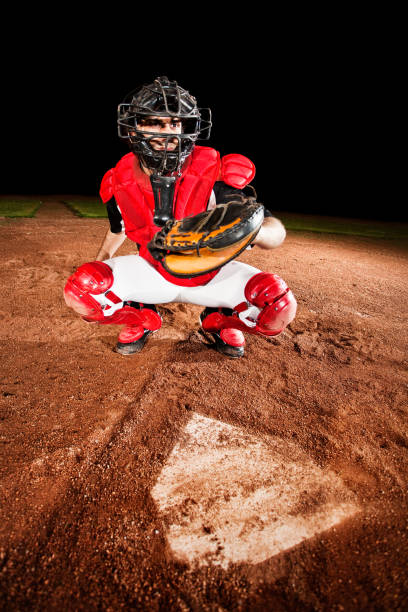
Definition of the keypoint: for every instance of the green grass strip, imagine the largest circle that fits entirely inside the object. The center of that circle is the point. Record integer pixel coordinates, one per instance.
(94, 209)
(89, 207)
(19, 208)
(350, 227)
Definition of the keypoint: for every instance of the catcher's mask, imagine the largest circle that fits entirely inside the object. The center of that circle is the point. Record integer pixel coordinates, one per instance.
(162, 98)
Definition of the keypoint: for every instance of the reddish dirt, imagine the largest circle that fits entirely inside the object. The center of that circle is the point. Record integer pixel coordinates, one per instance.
(85, 432)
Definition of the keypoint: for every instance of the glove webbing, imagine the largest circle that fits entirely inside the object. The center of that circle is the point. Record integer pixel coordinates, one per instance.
(209, 221)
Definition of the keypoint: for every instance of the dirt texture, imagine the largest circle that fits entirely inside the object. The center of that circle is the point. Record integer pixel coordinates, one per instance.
(122, 478)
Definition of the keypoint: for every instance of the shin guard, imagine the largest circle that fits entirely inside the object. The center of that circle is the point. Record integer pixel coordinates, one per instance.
(269, 308)
(97, 277)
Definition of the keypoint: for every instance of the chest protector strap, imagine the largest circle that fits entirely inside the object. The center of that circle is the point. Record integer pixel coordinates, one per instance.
(163, 192)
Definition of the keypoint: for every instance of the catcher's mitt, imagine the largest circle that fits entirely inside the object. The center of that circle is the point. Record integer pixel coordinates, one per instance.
(207, 241)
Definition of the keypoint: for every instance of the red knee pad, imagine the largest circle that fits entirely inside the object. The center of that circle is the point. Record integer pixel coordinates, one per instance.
(264, 288)
(83, 303)
(92, 277)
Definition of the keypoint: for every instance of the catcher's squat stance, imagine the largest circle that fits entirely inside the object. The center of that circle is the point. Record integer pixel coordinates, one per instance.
(185, 209)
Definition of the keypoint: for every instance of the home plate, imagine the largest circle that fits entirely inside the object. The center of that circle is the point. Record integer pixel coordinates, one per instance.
(228, 497)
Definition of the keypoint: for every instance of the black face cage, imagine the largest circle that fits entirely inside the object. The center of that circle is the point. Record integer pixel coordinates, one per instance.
(163, 98)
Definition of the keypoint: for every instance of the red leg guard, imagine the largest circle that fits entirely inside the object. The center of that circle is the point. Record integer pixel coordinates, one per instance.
(275, 308)
(270, 293)
(97, 277)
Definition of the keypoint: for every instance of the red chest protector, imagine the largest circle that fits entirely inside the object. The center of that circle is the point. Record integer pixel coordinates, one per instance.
(133, 193)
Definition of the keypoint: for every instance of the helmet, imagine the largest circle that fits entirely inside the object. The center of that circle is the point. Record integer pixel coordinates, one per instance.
(162, 98)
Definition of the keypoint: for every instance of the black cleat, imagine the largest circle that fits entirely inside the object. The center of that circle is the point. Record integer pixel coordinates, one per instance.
(130, 348)
(225, 348)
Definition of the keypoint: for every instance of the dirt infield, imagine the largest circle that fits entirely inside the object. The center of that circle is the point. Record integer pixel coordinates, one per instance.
(178, 479)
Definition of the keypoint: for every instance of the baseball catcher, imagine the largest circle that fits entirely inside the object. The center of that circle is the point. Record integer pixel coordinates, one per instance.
(185, 208)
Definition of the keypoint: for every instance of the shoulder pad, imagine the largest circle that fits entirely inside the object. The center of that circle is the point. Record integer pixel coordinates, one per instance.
(121, 173)
(106, 190)
(236, 170)
(205, 157)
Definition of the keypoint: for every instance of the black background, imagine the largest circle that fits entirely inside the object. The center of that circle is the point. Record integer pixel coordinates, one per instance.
(302, 104)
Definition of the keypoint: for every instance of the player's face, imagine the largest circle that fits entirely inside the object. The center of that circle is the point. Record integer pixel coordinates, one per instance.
(162, 125)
